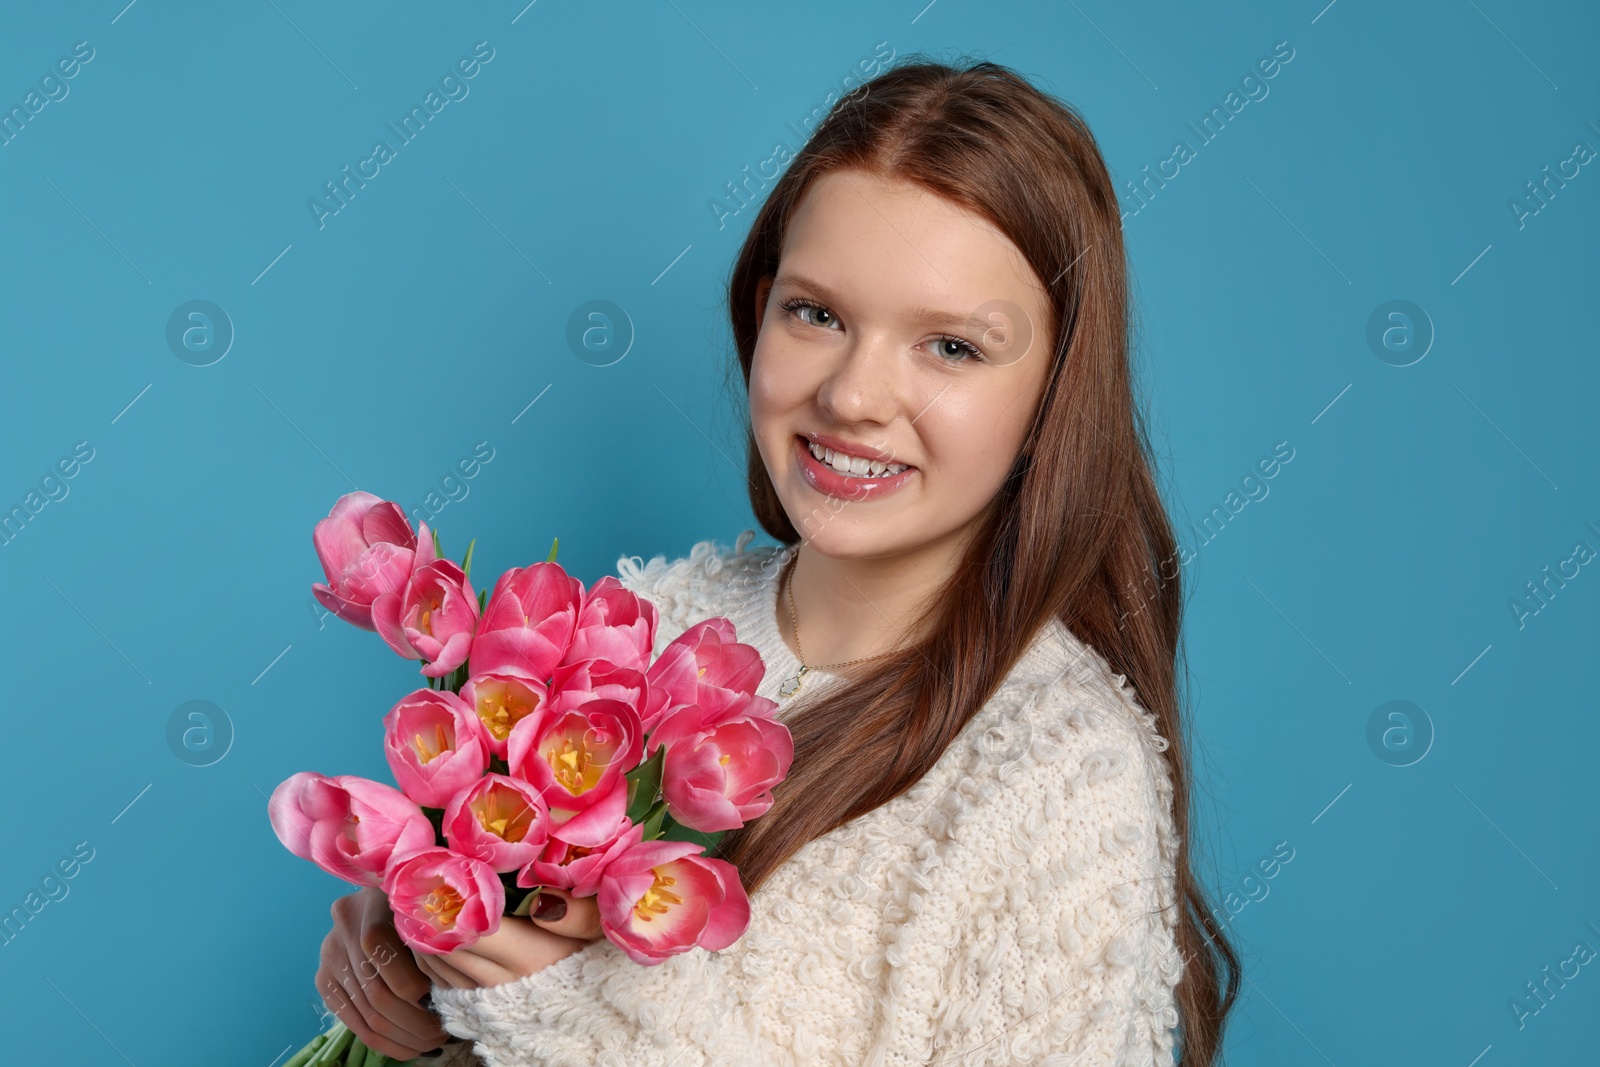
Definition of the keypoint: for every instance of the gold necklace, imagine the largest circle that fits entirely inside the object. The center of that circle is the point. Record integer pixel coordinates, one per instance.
(791, 686)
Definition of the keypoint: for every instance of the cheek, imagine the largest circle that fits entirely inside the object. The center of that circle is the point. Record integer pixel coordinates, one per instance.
(1012, 418)
(973, 442)
(767, 407)
(775, 388)
(1013, 411)
(760, 390)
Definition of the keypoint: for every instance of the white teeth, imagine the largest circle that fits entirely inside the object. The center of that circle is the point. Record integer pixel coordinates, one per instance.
(854, 466)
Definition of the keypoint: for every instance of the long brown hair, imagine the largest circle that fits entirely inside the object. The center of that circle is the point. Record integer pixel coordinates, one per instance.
(1077, 531)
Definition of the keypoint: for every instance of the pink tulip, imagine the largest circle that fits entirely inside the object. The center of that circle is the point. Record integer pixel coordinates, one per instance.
(348, 826)
(595, 824)
(577, 868)
(432, 618)
(443, 900)
(715, 707)
(500, 702)
(366, 549)
(577, 757)
(528, 622)
(721, 778)
(660, 898)
(500, 820)
(575, 684)
(436, 746)
(614, 624)
(704, 657)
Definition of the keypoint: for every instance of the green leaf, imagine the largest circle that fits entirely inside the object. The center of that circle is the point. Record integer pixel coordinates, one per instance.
(644, 782)
(525, 905)
(483, 600)
(652, 825)
(436, 551)
(552, 557)
(676, 831)
(466, 562)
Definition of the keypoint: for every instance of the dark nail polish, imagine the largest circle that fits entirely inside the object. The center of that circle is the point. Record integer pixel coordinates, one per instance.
(549, 908)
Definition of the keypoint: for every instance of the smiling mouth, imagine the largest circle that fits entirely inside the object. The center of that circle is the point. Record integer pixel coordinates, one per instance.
(852, 466)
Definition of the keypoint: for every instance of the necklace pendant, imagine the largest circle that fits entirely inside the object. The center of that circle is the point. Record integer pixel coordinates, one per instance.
(792, 686)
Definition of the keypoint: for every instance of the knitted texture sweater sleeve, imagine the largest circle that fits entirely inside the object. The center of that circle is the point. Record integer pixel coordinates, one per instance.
(1016, 906)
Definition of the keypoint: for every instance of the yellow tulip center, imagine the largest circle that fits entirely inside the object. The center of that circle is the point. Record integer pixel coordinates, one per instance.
(427, 615)
(504, 813)
(657, 899)
(442, 906)
(427, 750)
(501, 705)
(574, 766)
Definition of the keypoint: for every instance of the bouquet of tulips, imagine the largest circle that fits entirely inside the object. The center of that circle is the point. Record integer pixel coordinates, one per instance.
(547, 749)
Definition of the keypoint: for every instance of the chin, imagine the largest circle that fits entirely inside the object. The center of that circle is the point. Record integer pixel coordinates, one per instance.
(841, 536)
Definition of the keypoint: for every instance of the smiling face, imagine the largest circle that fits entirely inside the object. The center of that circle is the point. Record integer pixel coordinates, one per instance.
(900, 328)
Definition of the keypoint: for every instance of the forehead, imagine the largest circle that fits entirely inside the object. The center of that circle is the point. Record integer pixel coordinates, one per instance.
(907, 247)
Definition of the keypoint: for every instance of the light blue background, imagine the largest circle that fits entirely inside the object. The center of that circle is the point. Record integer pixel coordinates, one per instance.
(431, 311)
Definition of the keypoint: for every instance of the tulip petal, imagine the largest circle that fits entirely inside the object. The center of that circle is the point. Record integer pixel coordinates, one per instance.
(386, 522)
(727, 923)
(352, 613)
(597, 824)
(337, 538)
(386, 620)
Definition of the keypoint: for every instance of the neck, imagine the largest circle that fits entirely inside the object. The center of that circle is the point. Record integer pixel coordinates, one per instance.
(852, 607)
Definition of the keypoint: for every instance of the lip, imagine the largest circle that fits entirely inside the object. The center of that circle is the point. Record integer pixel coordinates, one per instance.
(839, 444)
(825, 479)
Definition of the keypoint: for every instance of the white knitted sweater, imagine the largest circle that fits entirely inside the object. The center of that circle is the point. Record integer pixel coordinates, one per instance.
(1016, 906)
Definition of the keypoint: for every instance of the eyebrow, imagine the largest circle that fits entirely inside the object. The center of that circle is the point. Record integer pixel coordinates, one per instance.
(930, 316)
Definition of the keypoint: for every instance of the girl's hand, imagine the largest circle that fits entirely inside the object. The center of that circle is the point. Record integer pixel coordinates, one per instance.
(520, 947)
(369, 979)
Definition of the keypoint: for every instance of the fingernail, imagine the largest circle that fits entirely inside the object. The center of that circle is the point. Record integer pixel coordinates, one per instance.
(431, 1053)
(549, 907)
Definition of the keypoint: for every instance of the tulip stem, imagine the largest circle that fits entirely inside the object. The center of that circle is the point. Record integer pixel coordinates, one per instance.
(333, 1050)
(301, 1058)
(362, 1056)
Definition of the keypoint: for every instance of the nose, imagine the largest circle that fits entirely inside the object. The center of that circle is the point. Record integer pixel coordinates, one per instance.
(863, 386)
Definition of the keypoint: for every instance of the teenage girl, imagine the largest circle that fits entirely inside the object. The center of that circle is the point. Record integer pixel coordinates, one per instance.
(981, 852)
